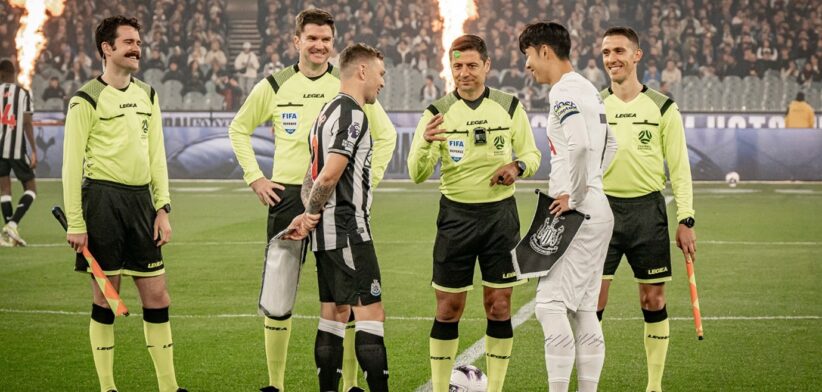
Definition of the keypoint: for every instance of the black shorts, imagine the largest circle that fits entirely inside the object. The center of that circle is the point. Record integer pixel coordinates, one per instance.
(120, 226)
(641, 234)
(467, 232)
(21, 167)
(349, 276)
(281, 215)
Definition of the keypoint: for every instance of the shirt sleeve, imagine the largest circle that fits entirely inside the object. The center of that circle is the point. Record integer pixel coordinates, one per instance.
(255, 110)
(384, 136)
(157, 157)
(573, 126)
(348, 133)
(522, 140)
(423, 156)
(79, 121)
(676, 155)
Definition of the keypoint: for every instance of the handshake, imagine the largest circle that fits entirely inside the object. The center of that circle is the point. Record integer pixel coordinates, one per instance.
(299, 227)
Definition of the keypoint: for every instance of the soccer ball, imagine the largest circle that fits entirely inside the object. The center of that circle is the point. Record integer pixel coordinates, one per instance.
(732, 179)
(468, 378)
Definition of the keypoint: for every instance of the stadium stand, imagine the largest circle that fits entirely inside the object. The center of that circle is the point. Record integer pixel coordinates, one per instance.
(729, 55)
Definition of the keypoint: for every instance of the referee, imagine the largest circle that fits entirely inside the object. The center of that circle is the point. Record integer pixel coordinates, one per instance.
(15, 122)
(649, 131)
(474, 131)
(291, 99)
(115, 189)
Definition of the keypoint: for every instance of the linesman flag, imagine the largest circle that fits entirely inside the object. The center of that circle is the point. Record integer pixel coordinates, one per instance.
(546, 241)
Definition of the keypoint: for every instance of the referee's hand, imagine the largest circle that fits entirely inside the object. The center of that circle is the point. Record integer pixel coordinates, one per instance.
(686, 241)
(77, 241)
(432, 130)
(162, 228)
(265, 190)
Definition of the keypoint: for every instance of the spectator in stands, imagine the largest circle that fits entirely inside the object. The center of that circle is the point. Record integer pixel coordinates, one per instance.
(174, 73)
(196, 79)
(594, 74)
(651, 74)
(54, 90)
(229, 88)
(246, 65)
(789, 71)
(197, 53)
(800, 114)
(273, 65)
(402, 53)
(77, 74)
(767, 56)
(671, 74)
(807, 74)
(429, 91)
(177, 56)
(155, 61)
(216, 53)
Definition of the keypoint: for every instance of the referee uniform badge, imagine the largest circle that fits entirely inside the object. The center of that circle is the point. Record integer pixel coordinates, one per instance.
(456, 150)
(289, 120)
(547, 239)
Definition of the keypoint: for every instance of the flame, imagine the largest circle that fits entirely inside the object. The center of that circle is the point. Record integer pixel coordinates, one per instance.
(30, 39)
(454, 14)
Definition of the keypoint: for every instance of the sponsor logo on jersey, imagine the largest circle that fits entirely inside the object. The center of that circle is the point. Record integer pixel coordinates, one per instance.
(456, 150)
(290, 121)
(477, 122)
(546, 240)
(155, 264)
(128, 105)
(509, 275)
(313, 95)
(73, 104)
(626, 115)
(375, 288)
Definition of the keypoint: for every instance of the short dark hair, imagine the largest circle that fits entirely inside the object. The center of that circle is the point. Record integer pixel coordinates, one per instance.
(314, 16)
(107, 30)
(800, 96)
(624, 31)
(358, 51)
(470, 42)
(7, 67)
(552, 34)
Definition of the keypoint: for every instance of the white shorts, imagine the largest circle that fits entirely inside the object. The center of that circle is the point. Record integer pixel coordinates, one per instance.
(575, 279)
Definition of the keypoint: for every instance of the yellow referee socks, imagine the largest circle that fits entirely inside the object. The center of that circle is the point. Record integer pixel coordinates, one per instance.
(442, 347)
(157, 331)
(277, 335)
(101, 334)
(657, 332)
(349, 366)
(499, 339)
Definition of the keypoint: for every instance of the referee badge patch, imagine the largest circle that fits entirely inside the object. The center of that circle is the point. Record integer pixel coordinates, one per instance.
(290, 122)
(456, 150)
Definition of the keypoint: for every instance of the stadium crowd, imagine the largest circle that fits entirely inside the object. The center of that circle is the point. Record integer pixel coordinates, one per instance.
(683, 41)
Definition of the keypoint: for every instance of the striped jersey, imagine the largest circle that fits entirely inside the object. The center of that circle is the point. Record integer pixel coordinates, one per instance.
(342, 128)
(16, 102)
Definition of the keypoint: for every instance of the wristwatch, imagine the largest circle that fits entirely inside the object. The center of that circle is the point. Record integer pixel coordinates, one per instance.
(689, 222)
(520, 168)
(166, 208)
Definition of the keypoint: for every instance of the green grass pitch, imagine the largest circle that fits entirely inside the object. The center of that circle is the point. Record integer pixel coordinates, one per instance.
(758, 270)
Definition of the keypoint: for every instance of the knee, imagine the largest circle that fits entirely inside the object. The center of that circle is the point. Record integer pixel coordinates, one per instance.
(449, 311)
(652, 299)
(156, 300)
(497, 307)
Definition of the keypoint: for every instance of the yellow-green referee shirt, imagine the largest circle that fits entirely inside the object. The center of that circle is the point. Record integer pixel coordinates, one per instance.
(113, 135)
(649, 133)
(292, 101)
(467, 166)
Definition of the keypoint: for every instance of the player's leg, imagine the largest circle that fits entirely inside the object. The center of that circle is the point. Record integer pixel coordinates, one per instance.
(278, 291)
(622, 228)
(328, 344)
(157, 329)
(5, 202)
(650, 259)
(101, 335)
(350, 368)
(560, 348)
(25, 174)
(498, 280)
(455, 255)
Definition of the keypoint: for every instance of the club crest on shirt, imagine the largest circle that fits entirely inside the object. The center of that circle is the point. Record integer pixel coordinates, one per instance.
(376, 290)
(354, 130)
(290, 122)
(456, 150)
(546, 240)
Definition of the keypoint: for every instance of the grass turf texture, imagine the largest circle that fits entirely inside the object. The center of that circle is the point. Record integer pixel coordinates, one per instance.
(751, 262)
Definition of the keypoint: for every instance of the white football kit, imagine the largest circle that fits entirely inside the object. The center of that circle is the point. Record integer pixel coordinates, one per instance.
(581, 147)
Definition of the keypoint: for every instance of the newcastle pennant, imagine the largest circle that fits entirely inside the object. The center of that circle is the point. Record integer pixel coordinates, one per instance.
(546, 241)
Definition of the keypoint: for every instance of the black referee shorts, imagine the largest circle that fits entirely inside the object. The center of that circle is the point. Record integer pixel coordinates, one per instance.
(281, 215)
(470, 231)
(641, 234)
(120, 226)
(21, 167)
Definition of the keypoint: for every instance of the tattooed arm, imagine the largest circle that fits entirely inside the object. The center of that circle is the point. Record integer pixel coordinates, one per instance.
(315, 193)
(305, 191)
